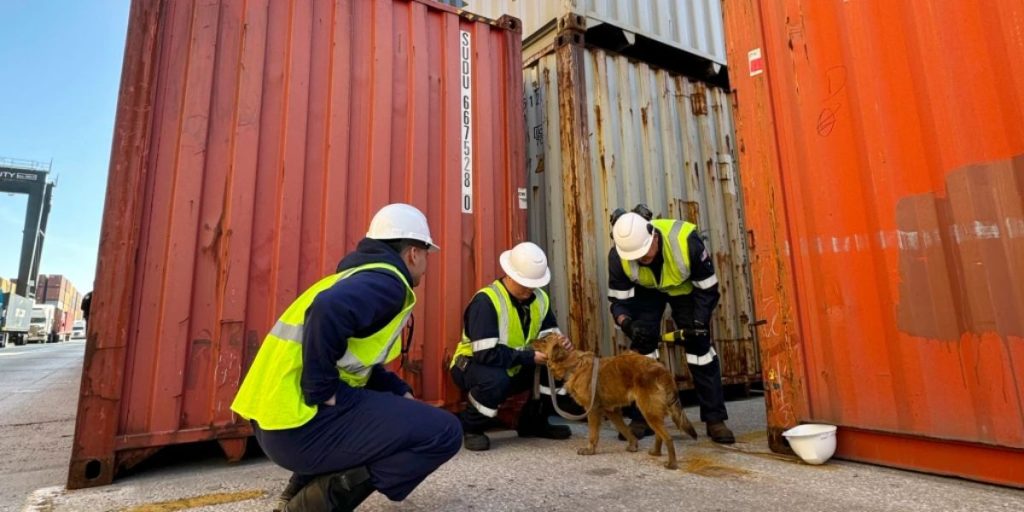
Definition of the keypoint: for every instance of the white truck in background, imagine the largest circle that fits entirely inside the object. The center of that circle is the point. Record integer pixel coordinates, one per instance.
(40, 330)
(78, 330)
(15, 315)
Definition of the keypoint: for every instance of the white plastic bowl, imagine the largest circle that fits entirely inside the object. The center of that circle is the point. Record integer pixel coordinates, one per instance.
(814, 443)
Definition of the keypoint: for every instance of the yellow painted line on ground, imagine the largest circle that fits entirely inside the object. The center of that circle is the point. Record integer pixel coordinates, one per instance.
(204, 500)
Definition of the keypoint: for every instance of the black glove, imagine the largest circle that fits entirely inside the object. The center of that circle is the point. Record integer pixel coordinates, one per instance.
(698, 337)
(615, 216)
(643, 211)
(644, 335)
(627, 327)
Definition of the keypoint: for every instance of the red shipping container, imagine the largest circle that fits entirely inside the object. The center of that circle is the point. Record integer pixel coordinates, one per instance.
(40, 288)
(253, 142)
(882, 148)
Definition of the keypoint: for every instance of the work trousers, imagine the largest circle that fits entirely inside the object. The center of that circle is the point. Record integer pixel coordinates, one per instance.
(401, 441)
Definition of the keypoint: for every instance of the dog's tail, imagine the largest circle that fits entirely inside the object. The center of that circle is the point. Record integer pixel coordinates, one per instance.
(675, 409)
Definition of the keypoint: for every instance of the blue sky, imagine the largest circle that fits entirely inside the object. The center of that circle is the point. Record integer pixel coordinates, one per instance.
(61, 66)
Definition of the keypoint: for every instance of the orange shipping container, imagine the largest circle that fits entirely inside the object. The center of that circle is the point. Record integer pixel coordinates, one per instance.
(254, 140)
(882, 148)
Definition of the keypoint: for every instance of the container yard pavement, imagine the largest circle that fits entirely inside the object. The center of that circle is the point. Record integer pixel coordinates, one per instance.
(532, 474)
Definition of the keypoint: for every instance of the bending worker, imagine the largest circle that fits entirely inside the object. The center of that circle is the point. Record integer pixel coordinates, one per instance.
(659, 262)
(493, 360)
(321, 402)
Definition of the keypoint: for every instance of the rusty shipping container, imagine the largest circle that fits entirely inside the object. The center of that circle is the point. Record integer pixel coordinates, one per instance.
(254, 140)
(694, 26)
(604, 132)
(882, 145)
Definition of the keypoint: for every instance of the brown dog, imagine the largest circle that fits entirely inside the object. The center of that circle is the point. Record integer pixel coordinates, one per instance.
(622, 379)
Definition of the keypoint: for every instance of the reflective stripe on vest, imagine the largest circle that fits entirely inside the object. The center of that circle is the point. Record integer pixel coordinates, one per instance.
(271, 392)
(381, 347)
(287, 331)
(675, 270)
(508, 315)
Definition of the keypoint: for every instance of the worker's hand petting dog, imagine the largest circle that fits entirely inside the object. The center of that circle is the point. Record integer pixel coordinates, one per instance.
(540, 357)
(563, 340)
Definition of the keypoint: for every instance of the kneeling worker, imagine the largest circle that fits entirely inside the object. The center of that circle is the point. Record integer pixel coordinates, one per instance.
(493, 360)
(320, 400)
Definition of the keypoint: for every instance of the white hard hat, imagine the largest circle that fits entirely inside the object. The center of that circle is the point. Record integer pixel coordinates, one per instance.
(398, 220)
(527, 265)
(632, 236)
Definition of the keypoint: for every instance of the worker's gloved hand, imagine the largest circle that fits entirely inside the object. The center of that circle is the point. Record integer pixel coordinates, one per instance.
(644, 335)
(627, 327)
(697, 336)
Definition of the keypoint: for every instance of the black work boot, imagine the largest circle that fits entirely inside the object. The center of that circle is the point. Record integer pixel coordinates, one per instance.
(476, 442)
(639, 428)
(533, 422)
(720, 433)
(289, 492)
(545, 430)
(336, 492)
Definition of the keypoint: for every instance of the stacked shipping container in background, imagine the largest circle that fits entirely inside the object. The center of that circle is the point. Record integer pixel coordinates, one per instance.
(607, 131)
(58, 291)
(693, 26)
(254, 139)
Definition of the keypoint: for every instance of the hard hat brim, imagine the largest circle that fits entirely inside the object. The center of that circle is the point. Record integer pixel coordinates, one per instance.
(431, 246)
(506, 264)
(637, 254)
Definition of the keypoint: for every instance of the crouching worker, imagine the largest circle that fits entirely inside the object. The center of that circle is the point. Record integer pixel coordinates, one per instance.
(321, 403)
(494, 362)
(658, 263)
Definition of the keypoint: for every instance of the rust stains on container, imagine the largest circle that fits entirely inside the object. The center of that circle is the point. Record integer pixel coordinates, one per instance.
(694, 26)
(604, 132)
(253, 142)
(884, 185)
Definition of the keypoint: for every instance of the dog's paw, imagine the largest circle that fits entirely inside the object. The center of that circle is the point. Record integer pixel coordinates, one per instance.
(632, 447)
(588, 450)
(672, 465)
(653, 452)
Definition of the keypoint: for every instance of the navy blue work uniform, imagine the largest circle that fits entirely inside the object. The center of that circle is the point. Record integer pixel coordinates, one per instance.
(485, 374)
(645, 307)
(401, 441)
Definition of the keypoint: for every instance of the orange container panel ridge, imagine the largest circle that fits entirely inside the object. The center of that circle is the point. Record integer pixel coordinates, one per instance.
(254, 140)
(883, 153)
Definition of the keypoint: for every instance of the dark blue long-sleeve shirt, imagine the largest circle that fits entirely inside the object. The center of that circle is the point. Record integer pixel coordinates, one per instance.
(481, 323)
(702, 273)
(357, 306)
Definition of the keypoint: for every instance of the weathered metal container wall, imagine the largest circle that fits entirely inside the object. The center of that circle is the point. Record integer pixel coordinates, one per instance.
(253, 142)
(882, 145)
(692, 25)
(648, 136)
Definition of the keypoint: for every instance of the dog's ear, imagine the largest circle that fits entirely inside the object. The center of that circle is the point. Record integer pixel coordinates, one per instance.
(557, 353)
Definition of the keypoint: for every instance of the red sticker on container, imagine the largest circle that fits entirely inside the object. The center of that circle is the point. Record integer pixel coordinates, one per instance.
(756, 62)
